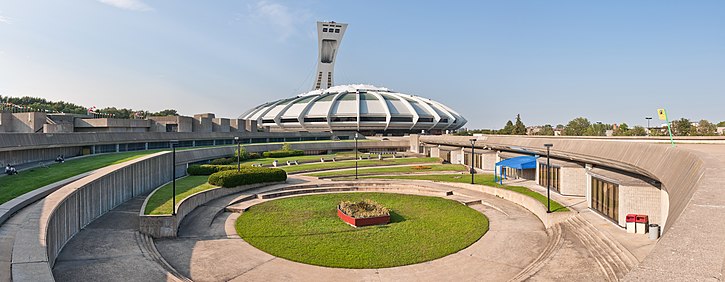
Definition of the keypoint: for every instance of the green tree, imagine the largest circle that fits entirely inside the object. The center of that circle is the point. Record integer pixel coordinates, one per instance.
(682, 127)
(507, 129)
(721, 124)
(167, 112)
(577, 127)
(622, 130)
(519, 127)
(242, 151)
(286, 147)
(638, 131)
(547, 130)
(706, 128)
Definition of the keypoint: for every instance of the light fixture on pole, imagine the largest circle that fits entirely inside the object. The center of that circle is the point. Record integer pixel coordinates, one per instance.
(173, 144)
(356, 158)
(473, 157)
(648, 119)
(239, 153)
(548, 179)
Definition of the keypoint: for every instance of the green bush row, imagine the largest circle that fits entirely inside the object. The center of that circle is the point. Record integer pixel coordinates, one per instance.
(208, 169)
(248, 175)
(282, 153)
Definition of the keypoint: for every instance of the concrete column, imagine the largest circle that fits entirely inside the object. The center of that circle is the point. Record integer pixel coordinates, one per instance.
(118, 148)
(146, 147)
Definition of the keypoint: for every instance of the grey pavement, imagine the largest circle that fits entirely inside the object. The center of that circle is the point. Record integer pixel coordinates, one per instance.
(107, 250)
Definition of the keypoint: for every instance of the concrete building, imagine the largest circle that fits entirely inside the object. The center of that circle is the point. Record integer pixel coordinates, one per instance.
(357, 107)
(40, 122)
(566, 177)
(329, 37)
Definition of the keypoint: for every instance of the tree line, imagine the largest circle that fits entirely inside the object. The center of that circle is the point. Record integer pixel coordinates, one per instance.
(43, 105)
(581, 126)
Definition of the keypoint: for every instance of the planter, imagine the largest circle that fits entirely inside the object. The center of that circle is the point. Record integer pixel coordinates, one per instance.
(366, 221)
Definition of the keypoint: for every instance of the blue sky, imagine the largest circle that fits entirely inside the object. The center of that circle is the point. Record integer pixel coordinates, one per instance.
(550, 61)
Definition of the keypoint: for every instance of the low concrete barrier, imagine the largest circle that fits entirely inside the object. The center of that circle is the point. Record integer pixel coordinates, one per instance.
(166, 226)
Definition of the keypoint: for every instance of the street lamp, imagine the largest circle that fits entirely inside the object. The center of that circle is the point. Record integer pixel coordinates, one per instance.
(548, 179)
(648, 119)
(173, 144)
(239, 153)
(473, 156)
(356, 158)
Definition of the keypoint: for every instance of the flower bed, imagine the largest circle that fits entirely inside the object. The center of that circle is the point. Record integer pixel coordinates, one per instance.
(363, 213)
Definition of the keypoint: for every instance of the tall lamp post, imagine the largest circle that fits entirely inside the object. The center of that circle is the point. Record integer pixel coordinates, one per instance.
(548, 179)
(173, 144)
(648, 119)
(473, 156)
(239, 153)
(356, 158)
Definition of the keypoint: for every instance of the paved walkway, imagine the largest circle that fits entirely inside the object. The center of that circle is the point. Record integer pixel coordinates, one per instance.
(215, 253)
(108, 250)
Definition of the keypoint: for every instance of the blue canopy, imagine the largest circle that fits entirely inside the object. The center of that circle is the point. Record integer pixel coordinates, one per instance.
(523, 162)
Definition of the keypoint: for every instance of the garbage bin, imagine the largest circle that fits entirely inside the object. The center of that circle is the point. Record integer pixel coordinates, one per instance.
(654, 231)
(641, 221)
(631, 223)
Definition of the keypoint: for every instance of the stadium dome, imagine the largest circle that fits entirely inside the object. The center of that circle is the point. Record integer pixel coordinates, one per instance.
(363, 108)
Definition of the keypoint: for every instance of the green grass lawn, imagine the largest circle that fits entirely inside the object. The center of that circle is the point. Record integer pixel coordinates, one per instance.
(306, 229)
(351, 164)
(481, 179)
(160, 201)
(389, 170)
(28, 180)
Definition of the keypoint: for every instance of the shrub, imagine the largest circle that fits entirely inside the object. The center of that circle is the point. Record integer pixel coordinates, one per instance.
(253, 156)
(242, 151)
(363, 209)
(248, 175)
(207, 169)
(224, 161)
(282, 154)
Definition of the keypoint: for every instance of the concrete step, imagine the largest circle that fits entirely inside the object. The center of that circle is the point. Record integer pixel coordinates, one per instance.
(148, 248)
(624, 256)
(243, 206)
(613, 258)
(552, 246)
(468, 201)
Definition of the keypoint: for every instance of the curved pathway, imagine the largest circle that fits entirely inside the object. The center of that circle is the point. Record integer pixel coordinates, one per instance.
(208, 249)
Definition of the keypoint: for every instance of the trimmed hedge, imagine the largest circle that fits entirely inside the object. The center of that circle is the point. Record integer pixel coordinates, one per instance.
(282, 153)
(223, 161)
(247, 175)
(208, 169)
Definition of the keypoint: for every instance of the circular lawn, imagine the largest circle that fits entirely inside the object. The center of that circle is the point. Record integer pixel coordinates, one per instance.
(306, 229)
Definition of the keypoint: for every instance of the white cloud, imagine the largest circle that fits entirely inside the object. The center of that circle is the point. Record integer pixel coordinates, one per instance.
(5, 20)
(284, 20)
(133, 5)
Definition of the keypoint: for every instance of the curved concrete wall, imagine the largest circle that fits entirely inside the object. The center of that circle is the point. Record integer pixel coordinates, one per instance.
(678, 170)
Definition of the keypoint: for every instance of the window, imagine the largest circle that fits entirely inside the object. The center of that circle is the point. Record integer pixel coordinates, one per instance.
(344, 119)
(324, 29)
(605, 198)
(337, 30)
(372, 119)
(425, 119)
(444, 120)
(267, 121)
(287, 120)
(401, 119)
(316, 119)
(555, 179)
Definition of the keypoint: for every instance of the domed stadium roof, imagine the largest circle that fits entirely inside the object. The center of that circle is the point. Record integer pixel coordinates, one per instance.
(358, 107)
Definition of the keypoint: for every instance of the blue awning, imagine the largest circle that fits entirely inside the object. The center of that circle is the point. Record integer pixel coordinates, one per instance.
(523, 162)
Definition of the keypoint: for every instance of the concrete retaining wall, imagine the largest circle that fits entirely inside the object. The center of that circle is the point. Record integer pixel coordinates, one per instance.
(165, 226)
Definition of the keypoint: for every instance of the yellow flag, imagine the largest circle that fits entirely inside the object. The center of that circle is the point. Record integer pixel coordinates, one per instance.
(662, 114)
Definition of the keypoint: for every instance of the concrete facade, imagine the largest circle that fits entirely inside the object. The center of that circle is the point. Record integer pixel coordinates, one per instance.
(221, 125)
(203, 123)
(573, 176)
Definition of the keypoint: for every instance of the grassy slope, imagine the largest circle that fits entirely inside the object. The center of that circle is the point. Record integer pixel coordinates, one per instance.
(351, 164)
(401, 169)
(306, 229)
(160, 201)
(29, 180)
(481, 179)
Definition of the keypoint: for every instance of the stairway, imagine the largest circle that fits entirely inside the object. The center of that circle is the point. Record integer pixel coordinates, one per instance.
(552, 246)
(614, 260)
